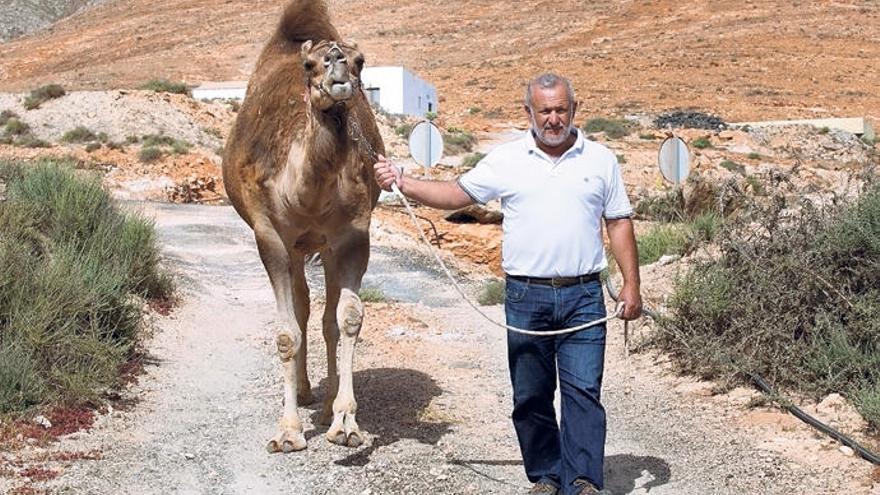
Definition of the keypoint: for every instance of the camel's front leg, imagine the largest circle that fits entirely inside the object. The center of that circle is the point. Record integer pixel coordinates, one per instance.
(344, 428)
(277, 263)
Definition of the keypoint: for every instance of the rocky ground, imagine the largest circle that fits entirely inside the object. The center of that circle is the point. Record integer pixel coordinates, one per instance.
(432, 388)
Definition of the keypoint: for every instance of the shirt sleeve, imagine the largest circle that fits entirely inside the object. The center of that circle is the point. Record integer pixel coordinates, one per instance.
(616, 202)
(482, 183)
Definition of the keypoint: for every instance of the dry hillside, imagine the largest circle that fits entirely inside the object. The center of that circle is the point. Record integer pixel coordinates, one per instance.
(743, 60)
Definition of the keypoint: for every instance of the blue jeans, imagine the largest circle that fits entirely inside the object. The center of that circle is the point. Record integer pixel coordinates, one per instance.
(575, 448)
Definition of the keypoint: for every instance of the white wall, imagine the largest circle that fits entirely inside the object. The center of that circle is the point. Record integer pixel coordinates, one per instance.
(419, 97)
(400, 91)
(389, 80)
(219, 93)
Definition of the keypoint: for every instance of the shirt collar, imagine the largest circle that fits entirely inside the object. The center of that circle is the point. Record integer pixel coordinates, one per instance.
(576, 148)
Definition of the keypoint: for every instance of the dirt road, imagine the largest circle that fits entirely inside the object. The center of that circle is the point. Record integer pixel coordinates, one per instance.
(431, 384)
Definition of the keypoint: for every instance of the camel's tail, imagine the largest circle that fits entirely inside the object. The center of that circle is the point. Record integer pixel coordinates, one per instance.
(306, 20)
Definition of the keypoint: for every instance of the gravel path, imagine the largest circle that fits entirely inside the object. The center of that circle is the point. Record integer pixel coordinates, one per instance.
(432, 389)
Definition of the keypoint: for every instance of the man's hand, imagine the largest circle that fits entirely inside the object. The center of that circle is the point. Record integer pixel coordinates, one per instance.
(632, 302)
(387, 174)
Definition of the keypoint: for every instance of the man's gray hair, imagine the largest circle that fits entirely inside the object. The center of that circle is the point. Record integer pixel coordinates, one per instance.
(549, 80)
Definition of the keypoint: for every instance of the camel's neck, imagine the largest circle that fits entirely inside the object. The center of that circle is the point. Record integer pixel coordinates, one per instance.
(316, 162)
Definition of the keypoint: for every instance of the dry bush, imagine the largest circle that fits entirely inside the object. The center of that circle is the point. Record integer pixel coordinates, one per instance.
(794, 296)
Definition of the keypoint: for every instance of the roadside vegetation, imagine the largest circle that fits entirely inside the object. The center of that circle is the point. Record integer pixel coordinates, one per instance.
(613, 128)
(16, 132)
(492, 293)
(156, 146)
(74, 274)
(793, 295)
(371, 294)
(166, 86)
(457, 141)
(41, 95)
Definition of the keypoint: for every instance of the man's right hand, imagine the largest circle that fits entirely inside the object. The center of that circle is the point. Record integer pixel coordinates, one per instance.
(387, 174)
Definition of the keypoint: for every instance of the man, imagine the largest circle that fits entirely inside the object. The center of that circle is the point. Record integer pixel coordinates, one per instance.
(555, 186)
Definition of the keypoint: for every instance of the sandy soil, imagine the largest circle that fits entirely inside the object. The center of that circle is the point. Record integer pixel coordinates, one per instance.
(744, 61)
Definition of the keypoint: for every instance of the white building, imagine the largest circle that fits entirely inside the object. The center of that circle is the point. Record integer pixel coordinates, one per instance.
(394, 89)
(230, 90)
(397, 90)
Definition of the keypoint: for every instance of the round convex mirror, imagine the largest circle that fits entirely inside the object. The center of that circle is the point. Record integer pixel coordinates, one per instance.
(426, 144)
(674, 160)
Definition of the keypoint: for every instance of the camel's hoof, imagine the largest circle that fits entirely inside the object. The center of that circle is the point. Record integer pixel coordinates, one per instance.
(353, 439)
(287, 442)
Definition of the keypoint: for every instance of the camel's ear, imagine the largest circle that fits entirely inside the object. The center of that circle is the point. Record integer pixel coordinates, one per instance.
(305, 49)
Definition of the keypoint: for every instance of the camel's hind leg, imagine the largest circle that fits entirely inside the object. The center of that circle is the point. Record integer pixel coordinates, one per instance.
(289, 340)
(345, 266)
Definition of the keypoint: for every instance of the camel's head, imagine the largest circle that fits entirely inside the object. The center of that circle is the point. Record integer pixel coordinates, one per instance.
(333, 71)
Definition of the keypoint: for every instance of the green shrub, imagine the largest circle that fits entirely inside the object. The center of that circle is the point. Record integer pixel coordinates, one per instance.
(474, 110)
(371, 294)
(456, 141)
(471, 161)
(156, 145)
(613, 128)
(702, 143)
(647, 137)
(754, 156)
(79, 134)
(6, 115)
(621, 159)
(403, 130)
(824, 130)
(72, 268)
(149, 154)
(31, 141)
(180, 147)
(793, 296)
(663, 239)
(166, 86)
(734, 167)
(15, 127)
(42, 95)
(492, 293)
(93, 147)
(157, 140)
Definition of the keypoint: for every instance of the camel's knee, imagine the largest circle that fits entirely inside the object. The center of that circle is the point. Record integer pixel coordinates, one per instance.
(350, 312)
(288, 345)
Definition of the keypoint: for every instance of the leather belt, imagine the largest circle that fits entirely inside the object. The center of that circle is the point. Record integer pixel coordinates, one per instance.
(557, 281)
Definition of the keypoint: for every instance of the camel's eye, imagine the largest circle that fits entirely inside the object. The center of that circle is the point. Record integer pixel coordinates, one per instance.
(359, 61)
(309, 64)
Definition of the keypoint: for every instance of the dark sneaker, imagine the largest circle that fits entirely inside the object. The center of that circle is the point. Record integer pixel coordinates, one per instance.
(544, 489)
(584, 487)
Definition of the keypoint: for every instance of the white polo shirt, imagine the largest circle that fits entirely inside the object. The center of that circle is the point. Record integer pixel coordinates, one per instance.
(552, 209)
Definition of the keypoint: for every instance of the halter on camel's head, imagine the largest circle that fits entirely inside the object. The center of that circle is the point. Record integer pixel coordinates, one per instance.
(333, 71)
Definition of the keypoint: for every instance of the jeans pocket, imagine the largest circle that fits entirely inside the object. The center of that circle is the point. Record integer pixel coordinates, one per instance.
(515, 292)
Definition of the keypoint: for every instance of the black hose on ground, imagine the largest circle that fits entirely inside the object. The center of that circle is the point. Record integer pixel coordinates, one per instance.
(815, 423)
(794, 410)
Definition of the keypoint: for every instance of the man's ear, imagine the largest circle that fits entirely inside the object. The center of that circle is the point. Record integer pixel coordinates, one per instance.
(574, 108)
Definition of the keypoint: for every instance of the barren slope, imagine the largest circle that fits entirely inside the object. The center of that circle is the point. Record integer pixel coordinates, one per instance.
(743, 60)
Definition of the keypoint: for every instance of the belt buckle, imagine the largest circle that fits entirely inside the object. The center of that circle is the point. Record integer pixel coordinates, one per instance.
(557, 282)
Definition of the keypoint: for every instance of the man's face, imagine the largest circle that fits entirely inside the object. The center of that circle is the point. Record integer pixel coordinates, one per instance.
(550, 114)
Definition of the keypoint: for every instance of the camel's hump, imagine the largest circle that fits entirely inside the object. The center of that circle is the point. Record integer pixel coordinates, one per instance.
(307, 20)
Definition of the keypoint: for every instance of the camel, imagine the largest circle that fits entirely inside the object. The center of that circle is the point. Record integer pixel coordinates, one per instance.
(298, 169)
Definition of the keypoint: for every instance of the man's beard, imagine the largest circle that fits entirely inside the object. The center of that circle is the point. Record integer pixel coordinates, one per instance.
(551, 141)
